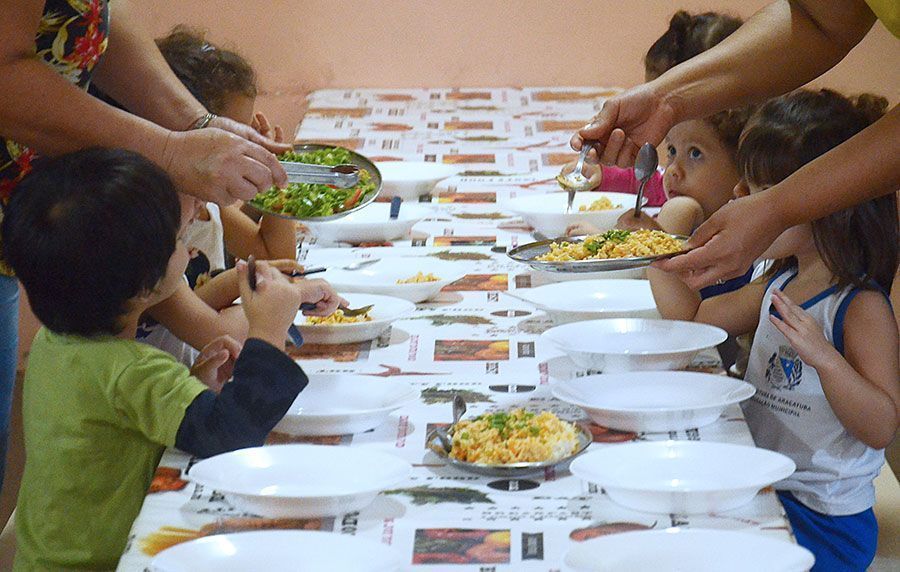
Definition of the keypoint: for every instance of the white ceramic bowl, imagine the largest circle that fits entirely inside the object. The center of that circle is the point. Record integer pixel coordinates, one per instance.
(301, 481)
(344, 404)
(688, 550)
(544, 277)
(278, 550)
(567, 302)
(630, 344)
(381, 278)
(411, 179)
(682, 477)
(547, 212)
(653, 401)
(371, 224)
(386, 310)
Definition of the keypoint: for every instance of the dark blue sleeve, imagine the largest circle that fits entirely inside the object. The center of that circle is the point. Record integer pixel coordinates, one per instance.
(264, 385)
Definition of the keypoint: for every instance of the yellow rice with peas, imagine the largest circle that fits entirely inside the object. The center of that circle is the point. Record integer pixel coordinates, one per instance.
(614, 244)
(517, 436)
(337, 317)
(419, 278)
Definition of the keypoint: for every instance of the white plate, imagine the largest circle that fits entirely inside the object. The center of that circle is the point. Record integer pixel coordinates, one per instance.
(381, 278)
(688, 550)
(653, 401)
(682, 477)
(301, 481)
(547, 212)
(386, 310)
(567, 302)
(371, 224)
(411, 179)
(304, 550)
(629, 344)
(344, 404)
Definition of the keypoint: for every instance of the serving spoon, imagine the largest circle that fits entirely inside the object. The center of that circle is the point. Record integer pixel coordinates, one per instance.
(459, 409)
(575, 181)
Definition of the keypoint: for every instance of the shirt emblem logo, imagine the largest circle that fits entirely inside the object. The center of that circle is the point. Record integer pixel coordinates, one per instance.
(785, 369)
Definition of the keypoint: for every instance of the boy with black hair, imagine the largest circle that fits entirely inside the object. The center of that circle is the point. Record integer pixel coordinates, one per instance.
(95, 238)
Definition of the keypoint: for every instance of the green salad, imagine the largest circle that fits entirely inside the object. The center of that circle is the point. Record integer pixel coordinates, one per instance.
(304, 200)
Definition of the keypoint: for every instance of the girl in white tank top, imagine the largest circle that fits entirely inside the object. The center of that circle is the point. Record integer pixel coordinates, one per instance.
(825, 368)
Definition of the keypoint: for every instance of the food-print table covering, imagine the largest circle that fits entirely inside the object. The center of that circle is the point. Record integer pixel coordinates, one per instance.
(476, 339)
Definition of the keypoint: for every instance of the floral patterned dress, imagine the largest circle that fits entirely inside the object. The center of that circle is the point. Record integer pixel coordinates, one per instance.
(71, 38)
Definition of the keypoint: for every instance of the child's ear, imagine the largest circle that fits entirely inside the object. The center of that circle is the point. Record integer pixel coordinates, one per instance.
(741, 189)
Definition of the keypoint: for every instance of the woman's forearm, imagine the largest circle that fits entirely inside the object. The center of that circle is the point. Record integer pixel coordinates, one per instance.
(45, 112)
(864, 167)
(783, 46)
(134, 73)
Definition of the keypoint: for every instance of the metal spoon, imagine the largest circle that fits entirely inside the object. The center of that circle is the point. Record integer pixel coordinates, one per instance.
(644, 167)
(459, 409)
(575, 181)
(340, 176)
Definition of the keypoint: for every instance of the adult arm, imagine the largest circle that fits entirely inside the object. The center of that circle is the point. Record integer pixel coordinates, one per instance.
(45, 112)
(783, 46)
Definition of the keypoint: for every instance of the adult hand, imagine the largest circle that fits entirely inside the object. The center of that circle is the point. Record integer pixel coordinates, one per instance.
(220, 166)
(729, 242)
(642, 114)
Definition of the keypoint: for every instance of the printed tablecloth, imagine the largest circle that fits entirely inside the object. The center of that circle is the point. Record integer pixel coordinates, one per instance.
(475, 338)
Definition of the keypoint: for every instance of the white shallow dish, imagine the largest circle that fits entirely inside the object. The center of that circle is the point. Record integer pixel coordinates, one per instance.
(386, 310)
(381, 278)
(688, 550)
(411, 179)
(682, 477)
(344, 404)
(631, 344)
(547, 212)
(653, 401)
(567, 302)
(304, 550)
(301, 481)
(371, 224)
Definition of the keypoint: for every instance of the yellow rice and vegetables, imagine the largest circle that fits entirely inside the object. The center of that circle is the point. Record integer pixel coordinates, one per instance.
(337, 317)
(614, 244)
(419, 278)
(601, 204)
(517, 436)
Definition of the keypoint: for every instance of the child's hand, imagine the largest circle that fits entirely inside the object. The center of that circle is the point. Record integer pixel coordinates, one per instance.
(320, 293)
(215, 362)
(592, 171)
(270, 308)
(581, 228)
(801, 330)
(628, 221)
(261, 124)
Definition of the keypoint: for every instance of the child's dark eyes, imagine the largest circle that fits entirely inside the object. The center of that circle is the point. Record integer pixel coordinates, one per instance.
(695, 153)
(671, 150)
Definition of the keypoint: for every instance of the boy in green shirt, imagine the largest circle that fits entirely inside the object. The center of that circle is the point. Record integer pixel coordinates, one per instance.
(94, 236)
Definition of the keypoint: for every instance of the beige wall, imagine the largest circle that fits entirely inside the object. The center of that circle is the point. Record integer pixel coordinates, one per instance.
(302, 45)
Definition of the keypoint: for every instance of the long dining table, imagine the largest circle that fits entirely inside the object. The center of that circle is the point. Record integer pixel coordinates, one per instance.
(476, 338)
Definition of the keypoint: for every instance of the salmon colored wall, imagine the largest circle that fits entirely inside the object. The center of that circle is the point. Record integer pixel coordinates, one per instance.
(301, 45)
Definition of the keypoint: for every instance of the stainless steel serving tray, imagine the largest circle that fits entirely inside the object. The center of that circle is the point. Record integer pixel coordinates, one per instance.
(527, 253)
(585, 438)
(360, 161)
